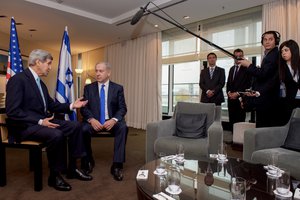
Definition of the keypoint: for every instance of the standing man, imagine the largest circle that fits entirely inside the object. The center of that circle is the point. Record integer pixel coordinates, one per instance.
(265, 93)
(212, 81)
(29, 103)
(105, 111)
(238, 81)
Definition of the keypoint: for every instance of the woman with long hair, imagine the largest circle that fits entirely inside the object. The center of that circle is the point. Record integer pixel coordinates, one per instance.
(289, 69)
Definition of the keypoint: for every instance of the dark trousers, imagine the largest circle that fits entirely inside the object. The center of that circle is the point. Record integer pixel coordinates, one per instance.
(235, 112)
(55, 139)
(120, 131)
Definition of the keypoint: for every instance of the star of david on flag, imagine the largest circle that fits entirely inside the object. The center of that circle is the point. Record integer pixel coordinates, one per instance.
(14, 64)
(65, 85)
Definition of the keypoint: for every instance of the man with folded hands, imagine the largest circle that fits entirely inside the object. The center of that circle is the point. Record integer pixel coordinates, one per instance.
(105, 111)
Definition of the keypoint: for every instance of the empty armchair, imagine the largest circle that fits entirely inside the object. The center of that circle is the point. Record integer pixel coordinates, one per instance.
(260, 143)
(164, 135)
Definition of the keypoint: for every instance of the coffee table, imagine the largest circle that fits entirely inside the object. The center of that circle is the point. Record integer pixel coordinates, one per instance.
(195, 180)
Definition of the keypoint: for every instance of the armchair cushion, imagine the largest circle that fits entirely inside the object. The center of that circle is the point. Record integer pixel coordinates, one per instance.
(191, 125)
(292, 140)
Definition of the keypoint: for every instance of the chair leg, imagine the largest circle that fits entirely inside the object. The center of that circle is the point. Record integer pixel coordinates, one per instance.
(36, 161)
(2, 166)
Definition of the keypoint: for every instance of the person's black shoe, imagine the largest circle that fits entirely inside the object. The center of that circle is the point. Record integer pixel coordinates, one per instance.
(88, 167)
(117, 173)
(80, 175)
(58, 183)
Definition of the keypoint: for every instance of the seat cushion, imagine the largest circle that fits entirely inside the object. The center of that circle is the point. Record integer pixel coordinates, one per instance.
(292, 140)
(191, 125)
(193, 148)
(286, 159)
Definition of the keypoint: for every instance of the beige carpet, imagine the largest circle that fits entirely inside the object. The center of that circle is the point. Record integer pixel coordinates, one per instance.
(20, 179)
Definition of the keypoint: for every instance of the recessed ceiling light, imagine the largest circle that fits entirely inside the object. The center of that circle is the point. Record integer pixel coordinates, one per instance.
(186, 17)
(155, 25)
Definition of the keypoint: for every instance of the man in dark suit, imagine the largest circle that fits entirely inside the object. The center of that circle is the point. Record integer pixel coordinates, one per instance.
(105, 111)
(212, 81)
(29, 103)
(265, 95)
(238, 81)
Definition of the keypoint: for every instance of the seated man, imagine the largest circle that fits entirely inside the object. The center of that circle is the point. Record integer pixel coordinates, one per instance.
(28, 102)
(105, 111)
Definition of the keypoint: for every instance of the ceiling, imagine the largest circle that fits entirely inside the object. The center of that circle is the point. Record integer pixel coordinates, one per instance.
(96, 23)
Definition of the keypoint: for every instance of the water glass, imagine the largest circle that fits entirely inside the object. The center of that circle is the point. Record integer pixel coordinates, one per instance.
(173, 178)
(180, 153)
(273, 160)
(238, 188)
(283, 182)
(222, 152)
(160, 163)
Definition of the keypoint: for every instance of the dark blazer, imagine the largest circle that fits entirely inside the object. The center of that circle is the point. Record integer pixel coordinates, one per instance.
(24, 101)
(240, 83)
(115, 102)
(266, 80)
(291, 86)
(216, 83)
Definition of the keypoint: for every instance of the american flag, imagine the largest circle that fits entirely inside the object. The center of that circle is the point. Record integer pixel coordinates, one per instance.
(14, 64)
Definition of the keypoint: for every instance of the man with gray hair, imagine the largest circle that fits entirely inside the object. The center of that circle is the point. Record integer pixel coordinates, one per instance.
(105, 111)
(29, 103)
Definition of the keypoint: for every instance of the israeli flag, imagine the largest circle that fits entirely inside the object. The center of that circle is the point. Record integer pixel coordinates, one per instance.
(65, 85)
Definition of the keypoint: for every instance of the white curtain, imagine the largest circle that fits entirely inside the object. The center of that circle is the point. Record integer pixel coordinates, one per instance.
(284, 17)
(136, 64)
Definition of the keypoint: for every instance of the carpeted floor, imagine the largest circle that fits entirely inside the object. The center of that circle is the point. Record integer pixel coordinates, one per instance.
(20, 179)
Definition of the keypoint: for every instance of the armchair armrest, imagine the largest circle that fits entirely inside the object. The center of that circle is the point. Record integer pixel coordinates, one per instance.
(263, 138)
(215, 137)
(155, 130)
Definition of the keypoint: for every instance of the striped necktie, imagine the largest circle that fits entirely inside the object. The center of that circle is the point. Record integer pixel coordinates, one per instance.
(102, 104)
(211, 72)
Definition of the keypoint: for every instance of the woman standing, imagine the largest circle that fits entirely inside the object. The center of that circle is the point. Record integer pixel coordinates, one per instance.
(289, 69)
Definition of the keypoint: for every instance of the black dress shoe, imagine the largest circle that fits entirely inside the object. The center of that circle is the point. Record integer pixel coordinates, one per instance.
(80, 175)
(117, 173)
(59, 183)
(88, 167)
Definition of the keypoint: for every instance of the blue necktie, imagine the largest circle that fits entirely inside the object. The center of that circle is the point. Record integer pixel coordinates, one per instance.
(38, 82)
(102, 104)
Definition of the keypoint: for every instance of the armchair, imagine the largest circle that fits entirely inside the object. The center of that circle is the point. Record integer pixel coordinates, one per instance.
(160, 135)
(260, 143)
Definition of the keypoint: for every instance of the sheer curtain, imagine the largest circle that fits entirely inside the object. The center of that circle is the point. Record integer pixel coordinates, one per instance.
(283, 16)
(136, 64)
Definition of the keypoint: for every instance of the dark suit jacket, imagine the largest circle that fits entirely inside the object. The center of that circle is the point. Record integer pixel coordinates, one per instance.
(266, 80)
(241, 82)
(24, 101)
(115, 101)
(291, 86)
(216, 83)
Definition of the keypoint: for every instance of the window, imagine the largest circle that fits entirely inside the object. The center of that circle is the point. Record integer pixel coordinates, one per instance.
(183, 54)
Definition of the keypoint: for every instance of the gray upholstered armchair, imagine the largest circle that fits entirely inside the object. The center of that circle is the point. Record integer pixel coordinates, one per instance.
(260, 143)
(160, 135)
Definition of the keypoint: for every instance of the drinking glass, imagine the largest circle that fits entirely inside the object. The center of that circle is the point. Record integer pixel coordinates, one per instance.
(238, 188)
(180, 153)
(222, 152)
(173, 178)
(273, 160)
(160, 164)
(283, 182)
